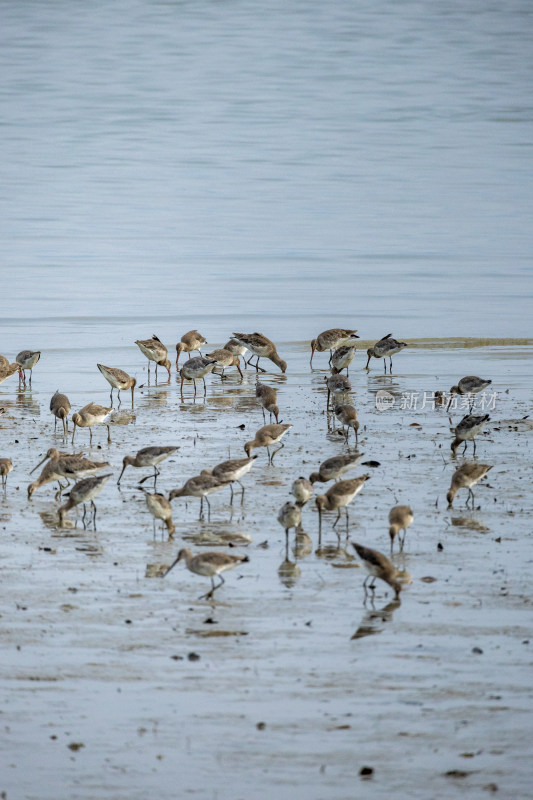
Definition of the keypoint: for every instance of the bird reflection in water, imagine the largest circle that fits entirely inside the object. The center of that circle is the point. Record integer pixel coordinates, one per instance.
(374, 620)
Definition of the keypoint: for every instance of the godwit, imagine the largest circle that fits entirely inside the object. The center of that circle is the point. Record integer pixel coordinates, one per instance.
(84, 492)
(386, 347)
(467, 430)
(118, 379)
(27, 360)
(378, 566)
(64, 465)
(268, 399)
(342, 358)
(199, 486)
(339, 496)
(230, 471)
(5, 468)
(261, 347)
(266, 436)
(7, 370)
(154, 350)
(190, 341)
(160, 508)
(347, 416)
(331, 340)
(236, 348)
(337, 385)
(289, 516)
(302, 490)
(60, 408)
(147, 457)
(464, 478)
(89, 415)
(224, 358)
(470, 385)
(400, 517)
(209, 565)
(196, 368)
(333, 468)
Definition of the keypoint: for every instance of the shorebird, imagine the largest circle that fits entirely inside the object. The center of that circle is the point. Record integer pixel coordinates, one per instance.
(230, 471)
(302, 490)
(84, 492)
(268, 398)
(147, 457)
(209, 565)
(260, 347)
(342, 358)
(400, 517)
(160, 508)
(331, 340)
(337, 384)
(289, 516)
(190, 341)
(5, 468)
(7, 370)
(154, 350)
(64, 465)
(464, 478)
(333, 468)
(60, 408)
(470, 385)
(386, 347)
(266, 436)
(347, 416)
(339, 496)
(196, 368)
(236, 348)
(225, 358)
(118, 379)
(467, 430)
(89, 415)
(199, 486)
(27, 360)
(378, 566)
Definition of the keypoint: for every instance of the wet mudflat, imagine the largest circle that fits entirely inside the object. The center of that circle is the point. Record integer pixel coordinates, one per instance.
(116, 683)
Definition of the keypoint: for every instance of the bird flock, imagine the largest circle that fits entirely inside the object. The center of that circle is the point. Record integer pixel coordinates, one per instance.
(342, 345)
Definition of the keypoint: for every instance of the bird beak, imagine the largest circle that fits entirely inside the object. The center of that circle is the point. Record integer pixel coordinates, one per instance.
(165, 573)
(38, 465)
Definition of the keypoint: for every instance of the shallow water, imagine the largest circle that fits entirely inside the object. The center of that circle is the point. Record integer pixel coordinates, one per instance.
(303, 684)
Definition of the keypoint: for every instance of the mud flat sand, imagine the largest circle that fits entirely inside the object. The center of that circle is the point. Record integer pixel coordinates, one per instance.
(119, 684)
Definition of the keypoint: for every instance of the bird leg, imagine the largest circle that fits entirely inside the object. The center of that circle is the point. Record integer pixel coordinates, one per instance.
(390, 368)
(264, 418)
(338, 518)
(118, 396)
(474, 441)
(108, 435)
(231, 490)
(276, 452)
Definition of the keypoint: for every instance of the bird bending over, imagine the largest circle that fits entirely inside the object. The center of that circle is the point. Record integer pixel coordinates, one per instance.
(160, 508)
(260, 347)
(400, 517)
(84, 492)
(118, 379)
(190, 341)
(467, 430)
(27, 360)
(470, 385)
(200, 486)
(347, 416)
(331, 340)
(195, 369)
(228, 472)
(339, 496)
(333, 468)
(60, 408)
(224, 358)
(5, 468)
(268, 399)
(89, 415)
(464, 478)
(378, 566)
(302, 491)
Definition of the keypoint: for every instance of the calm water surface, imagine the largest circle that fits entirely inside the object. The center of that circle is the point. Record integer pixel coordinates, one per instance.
(298, 165)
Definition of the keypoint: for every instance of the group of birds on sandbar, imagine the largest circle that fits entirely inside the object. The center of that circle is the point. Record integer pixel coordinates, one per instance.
(341, 344)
